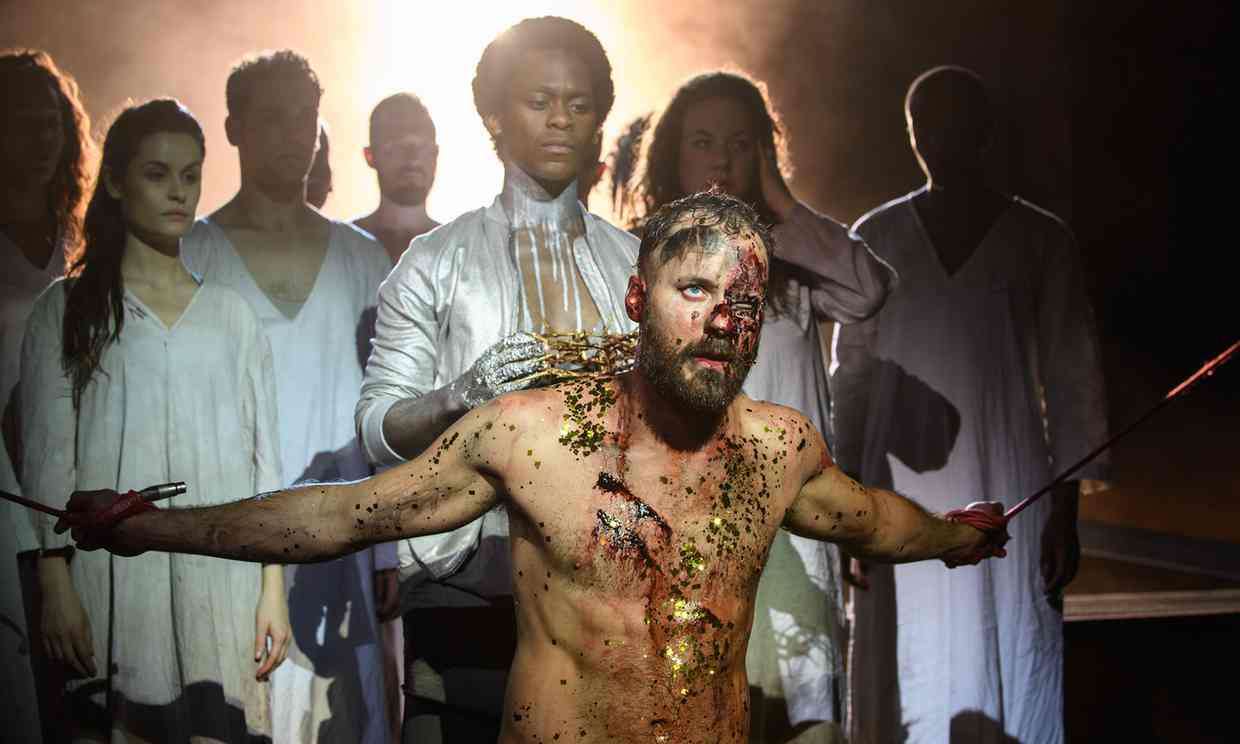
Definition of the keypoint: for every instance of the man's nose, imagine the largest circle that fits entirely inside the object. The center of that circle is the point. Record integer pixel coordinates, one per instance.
(557, 116)
(720, 322)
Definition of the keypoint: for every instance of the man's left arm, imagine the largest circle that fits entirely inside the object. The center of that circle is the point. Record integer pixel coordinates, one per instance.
(1070, 370)
(882, 525)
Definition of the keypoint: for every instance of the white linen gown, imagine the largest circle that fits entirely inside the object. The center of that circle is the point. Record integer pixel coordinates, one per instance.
(194, 402)
(331, 688)
(20, 285)
(962, 368)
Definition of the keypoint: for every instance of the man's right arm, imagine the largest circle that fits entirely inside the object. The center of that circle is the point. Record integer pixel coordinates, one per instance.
(400, 372)
(454, 482)
(400, 413)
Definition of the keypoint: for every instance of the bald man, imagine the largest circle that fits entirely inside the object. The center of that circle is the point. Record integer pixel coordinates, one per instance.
(981, 369)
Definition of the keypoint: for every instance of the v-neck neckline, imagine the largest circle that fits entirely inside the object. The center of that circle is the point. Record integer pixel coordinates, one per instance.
(936, 257)
(271, 305)
(133, 297)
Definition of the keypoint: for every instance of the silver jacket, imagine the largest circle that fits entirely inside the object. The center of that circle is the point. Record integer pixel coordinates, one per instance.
(454, 293)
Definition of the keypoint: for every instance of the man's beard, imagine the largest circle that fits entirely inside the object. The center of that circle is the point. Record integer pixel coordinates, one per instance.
(705, 391)
(407, 192)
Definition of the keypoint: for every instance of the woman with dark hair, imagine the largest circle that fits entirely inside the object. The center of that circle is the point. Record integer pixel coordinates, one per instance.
(720, 131)
(44, 155)
(135, 374)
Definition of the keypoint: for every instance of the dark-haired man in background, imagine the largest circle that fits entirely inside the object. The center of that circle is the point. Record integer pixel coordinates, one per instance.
(313, 282)
(403, 154)
(454, 331)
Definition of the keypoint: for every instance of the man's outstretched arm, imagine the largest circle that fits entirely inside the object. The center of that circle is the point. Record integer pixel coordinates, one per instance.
(454, 482)
(881, 525)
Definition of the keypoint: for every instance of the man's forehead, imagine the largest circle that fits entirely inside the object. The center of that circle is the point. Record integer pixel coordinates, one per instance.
(392, 125)
(283, 92)
(696, 236)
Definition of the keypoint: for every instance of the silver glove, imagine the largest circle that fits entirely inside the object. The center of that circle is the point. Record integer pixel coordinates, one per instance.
(509, 365)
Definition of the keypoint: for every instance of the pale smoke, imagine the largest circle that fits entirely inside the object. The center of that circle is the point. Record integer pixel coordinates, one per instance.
(837, 69)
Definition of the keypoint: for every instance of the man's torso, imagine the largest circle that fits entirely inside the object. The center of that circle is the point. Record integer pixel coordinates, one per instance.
(634, 568)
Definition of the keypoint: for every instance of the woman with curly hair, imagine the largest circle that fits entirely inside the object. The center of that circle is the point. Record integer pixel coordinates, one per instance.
(720, 131)
(45, 154)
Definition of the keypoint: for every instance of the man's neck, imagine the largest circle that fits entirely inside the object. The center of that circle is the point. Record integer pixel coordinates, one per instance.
(528, 202)
(399, 217)
(650, 413)
(266, 210)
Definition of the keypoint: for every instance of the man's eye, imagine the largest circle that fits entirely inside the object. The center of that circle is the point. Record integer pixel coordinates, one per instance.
(536, 103)
(693, 291)
(741, 146)
(581, 108)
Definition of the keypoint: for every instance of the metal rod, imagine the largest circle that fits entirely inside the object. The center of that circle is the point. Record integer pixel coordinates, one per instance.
(1206, 370)
(150, 493)
(30, 504)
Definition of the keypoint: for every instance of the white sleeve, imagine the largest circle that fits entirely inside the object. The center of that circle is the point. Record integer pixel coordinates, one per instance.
(48, 418)
(403, 354)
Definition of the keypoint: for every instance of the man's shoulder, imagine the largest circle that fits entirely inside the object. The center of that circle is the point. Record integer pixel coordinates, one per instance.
(774, 423)
(1040, 219)
(361, 245)
(881, 215)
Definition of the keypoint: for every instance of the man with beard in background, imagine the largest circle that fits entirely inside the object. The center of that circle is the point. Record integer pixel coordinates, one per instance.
(403, 154)
(641, 506)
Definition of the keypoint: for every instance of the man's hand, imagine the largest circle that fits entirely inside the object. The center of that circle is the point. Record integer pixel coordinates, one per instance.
(66, 629)
(387, 594)
(775, 191)
(986, 517)
(1061, 546)
(509, 365)
(271, 622)
(92, 515)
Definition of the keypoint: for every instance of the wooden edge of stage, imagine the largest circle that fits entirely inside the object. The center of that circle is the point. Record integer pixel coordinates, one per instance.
(1139, 605)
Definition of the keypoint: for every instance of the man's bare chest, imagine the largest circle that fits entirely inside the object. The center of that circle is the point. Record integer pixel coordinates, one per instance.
(285, 266)
(624, 526)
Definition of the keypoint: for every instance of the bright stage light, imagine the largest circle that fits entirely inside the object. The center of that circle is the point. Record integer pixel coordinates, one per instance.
(431, 49)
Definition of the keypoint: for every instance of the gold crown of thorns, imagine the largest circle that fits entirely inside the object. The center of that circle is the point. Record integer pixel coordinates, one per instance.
(586, 355)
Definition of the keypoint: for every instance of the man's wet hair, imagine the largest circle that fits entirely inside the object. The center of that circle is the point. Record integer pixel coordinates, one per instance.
(253, 70)
(713, 214)
(402, 102)
(506, 52)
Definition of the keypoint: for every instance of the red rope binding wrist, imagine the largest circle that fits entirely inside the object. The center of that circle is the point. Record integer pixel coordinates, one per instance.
(994, 526)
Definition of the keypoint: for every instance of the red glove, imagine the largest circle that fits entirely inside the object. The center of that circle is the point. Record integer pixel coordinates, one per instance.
(92, 514)
(987, 517)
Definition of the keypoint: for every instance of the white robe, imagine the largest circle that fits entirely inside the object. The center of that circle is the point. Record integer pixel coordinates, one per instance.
(20, 284)
(331, 687)
(961, 370)
(193, 402)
